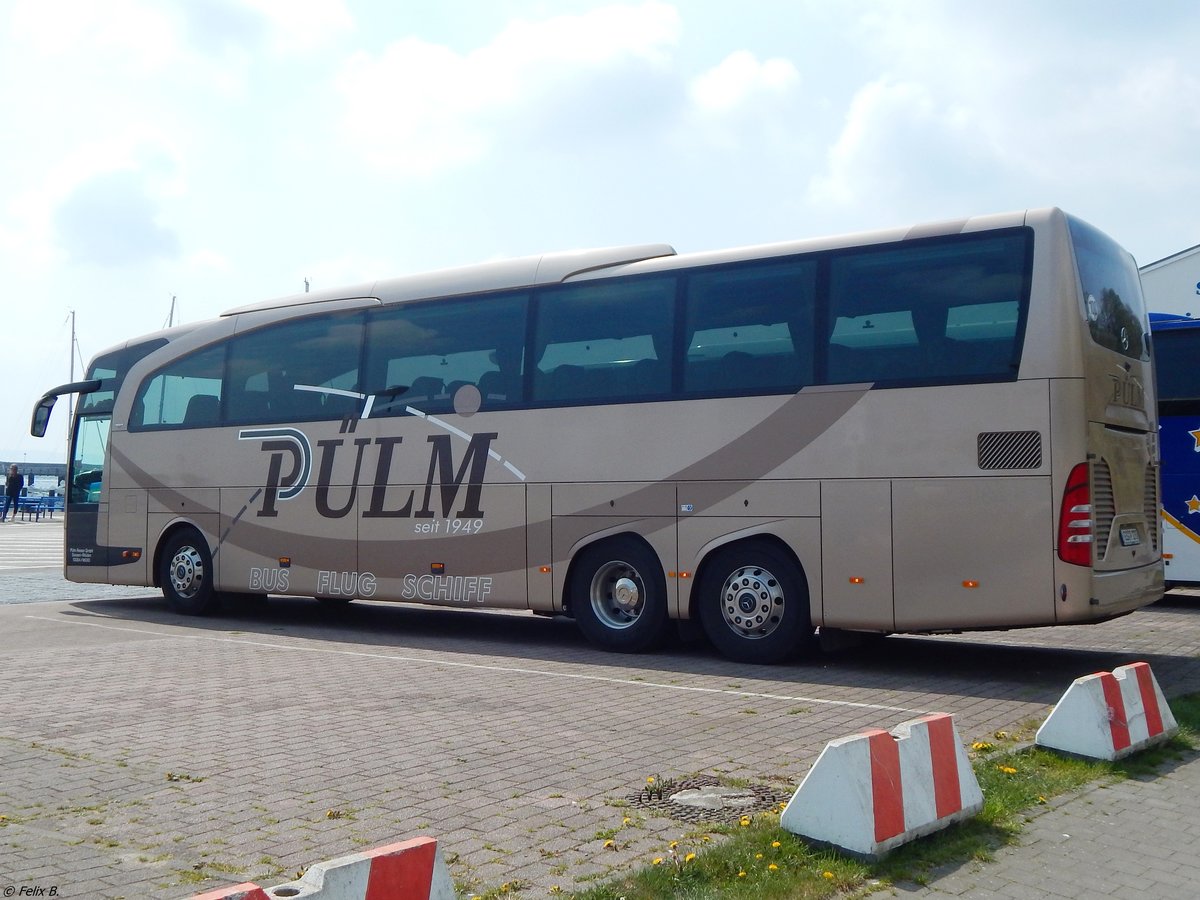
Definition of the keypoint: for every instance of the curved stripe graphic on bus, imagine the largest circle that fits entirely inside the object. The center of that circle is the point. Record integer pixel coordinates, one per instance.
(1179, 442)
(796, 423)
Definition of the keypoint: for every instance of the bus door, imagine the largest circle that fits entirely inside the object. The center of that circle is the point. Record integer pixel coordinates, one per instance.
(85, 550)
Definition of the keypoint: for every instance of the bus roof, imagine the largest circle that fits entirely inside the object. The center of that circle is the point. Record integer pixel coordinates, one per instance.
(553, 268)
(528, 271)
(1171, 321)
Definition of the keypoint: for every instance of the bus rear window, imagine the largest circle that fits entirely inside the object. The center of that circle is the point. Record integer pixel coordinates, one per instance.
(1112, 293)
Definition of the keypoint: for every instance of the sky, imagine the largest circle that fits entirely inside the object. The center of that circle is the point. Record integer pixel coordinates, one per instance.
(185, 157)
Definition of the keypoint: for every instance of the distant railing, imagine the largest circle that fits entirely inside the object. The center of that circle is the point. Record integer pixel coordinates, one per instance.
(34, 508)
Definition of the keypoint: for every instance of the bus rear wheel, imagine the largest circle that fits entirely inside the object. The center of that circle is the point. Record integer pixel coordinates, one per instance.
(618, 596)
(186, 574)
(754, 604)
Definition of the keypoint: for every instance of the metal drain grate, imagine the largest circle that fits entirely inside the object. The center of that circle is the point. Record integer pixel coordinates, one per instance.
(704, 798)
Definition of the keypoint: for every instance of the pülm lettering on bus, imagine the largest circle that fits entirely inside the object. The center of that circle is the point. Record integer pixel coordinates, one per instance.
(441, 473)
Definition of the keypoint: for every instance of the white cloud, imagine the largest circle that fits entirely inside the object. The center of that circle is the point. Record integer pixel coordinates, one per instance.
(899, 141)
(419, 107)
(128, 34)
(298, 26)
(143, 159)
(739, 77)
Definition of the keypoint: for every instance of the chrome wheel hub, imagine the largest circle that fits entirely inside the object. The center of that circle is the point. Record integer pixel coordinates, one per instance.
(617, 594)
(752, 602)
(187, 572)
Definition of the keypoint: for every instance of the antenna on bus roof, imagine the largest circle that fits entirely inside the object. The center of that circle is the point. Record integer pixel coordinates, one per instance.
(306, 284)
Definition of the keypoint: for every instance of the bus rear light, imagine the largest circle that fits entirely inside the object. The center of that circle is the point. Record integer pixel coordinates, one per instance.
(1075, 519)
(131, 554)
(855, 579)
(970, 583)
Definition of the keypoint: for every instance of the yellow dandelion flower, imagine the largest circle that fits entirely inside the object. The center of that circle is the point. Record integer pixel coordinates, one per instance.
(828, 875)
(744, 821)
(758, 856)
(626, 820)
(649, 779)
(1041, 799)
(658, 861)
(742, 874)
(772, 867)
(1007, 770)
(776, 844)
(610, 843)
(689, 857)
(673, 844)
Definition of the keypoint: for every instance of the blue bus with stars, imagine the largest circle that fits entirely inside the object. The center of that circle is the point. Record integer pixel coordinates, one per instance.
(1176, 342)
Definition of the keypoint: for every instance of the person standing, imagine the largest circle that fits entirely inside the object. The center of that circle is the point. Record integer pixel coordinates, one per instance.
(13, 485)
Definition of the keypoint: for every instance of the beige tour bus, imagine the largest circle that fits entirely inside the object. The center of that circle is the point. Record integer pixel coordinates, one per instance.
(938, 428)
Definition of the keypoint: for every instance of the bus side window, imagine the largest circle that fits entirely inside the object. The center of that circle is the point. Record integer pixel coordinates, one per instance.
(164, 399)
(420, 355)
(749, 328)
(302, 370)
(932, 311)
(593, 341)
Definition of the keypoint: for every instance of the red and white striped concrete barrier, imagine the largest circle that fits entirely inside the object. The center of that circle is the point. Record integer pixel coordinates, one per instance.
(409, 870)
(1109, 715)
(247, 891)
(869, 793)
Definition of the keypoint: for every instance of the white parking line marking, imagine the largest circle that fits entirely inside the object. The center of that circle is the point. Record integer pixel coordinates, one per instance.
(515, 670)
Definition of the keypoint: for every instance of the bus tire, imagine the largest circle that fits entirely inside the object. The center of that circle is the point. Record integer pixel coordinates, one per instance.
(754, 604)
(185, 573)
(619, 595)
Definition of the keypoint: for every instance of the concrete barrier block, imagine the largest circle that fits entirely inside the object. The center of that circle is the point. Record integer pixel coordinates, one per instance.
(869, 793)
(409, 870)
(247, 891)
(1109, 715)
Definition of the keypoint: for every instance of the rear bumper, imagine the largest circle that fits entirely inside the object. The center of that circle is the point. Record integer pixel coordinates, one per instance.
(1116, 593)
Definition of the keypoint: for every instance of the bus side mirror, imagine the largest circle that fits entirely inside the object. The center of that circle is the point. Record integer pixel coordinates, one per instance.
(41, 412)
(41, 415)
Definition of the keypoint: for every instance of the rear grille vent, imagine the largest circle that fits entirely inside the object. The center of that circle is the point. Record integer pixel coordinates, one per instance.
(1151, 504)
(1104, 507)
(1010, 450)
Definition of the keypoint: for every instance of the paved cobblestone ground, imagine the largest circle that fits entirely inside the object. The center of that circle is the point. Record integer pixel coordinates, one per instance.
(148, 755)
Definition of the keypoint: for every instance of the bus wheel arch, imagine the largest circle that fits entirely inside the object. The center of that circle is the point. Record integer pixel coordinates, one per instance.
(183, 569)
(617, 593)
(753, 601)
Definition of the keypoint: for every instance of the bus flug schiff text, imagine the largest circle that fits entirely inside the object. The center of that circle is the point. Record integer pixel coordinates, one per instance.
(945, 427)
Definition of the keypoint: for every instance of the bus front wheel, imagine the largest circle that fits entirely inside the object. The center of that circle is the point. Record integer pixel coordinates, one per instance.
(619, 596)
(754, 604)
(186, 574)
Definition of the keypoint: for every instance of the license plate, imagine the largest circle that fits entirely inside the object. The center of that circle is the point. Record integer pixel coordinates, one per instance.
(1130, 536)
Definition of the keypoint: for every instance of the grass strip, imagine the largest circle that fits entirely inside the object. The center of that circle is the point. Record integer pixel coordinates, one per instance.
(760, 860)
